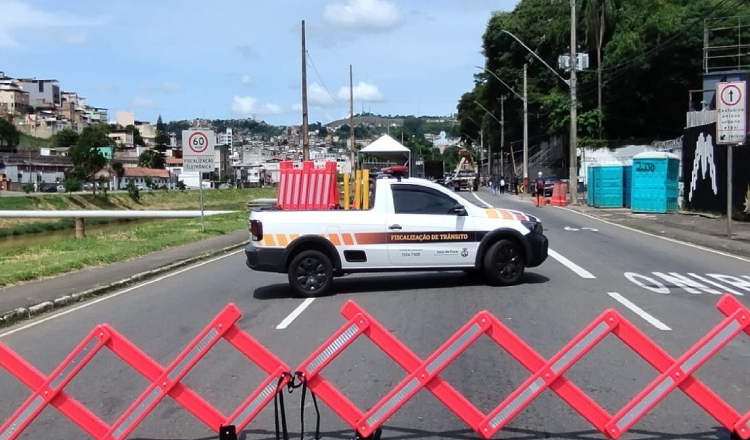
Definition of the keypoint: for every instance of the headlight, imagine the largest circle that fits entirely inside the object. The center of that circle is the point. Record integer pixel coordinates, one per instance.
(534, 226)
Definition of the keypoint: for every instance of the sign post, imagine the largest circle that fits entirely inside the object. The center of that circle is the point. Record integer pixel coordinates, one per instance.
(198, 155)
(731, 128)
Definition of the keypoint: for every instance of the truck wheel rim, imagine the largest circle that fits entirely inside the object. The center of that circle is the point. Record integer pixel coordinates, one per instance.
(311, 274)
(508, 262)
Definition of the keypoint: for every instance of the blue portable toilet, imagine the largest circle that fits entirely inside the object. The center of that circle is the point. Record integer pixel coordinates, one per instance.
(627, 184)
(608, 183)
(655, 182)
(590, 179)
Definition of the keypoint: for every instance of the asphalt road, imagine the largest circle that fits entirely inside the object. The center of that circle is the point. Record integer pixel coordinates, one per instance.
(666, 289)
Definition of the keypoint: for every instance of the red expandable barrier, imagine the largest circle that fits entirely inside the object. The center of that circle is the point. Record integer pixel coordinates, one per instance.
(164, 381)
(545, 374)
(307, 188)
(420, 374)
(285, 187)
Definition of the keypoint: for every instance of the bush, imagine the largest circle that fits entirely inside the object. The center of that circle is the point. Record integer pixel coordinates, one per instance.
(28, 187)
(133, 191)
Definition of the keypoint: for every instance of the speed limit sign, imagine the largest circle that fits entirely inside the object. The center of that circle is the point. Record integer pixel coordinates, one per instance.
(198, 150)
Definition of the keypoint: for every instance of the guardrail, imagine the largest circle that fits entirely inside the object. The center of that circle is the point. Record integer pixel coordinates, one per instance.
(80, 215)
(672, 373)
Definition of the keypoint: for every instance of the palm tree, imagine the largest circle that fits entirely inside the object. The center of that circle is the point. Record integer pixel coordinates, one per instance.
(600, 17)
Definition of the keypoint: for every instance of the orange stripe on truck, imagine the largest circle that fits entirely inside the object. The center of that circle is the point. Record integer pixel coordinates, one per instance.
(268, 239)
(334, 239)
(347, 237)
(281, 239)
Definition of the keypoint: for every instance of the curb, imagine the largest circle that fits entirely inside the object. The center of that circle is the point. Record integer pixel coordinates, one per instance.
(23, 313)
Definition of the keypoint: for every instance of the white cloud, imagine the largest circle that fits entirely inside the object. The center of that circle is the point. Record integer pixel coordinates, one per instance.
(139, 101)
(362, 92)
(363, 15)
(248, 106)
(245, 79)
(19, 18)
(319, 96)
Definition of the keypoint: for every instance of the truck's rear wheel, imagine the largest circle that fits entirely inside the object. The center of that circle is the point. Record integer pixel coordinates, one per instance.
(504, 263)
(310, 274)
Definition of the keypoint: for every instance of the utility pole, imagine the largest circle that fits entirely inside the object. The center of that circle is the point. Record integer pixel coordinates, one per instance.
(573, 110)
(305, 140)
(351, 117)
(525, 130)
(502, 134)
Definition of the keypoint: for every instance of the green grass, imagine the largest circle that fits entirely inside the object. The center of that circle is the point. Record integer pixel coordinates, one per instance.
(225, 199)
(115, 245)
(29, 142)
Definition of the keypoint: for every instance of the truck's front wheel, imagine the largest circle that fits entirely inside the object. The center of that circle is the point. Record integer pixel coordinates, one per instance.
(504, 263)
(310, 274)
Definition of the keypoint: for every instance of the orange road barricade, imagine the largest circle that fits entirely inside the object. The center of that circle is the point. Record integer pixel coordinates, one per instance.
(307, 188)
(559, 194)
(420, 374)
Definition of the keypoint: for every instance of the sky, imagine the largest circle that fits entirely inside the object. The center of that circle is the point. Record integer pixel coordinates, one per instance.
(224, 59)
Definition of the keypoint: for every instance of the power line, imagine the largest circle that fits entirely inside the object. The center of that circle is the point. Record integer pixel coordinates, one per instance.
(311, 63)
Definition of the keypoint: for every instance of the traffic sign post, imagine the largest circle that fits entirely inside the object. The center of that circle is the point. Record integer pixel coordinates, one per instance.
(731, 112)
(198, 155)
(731, 128)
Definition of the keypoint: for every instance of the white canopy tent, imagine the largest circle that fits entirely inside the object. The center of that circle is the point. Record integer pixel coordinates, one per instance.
(385, 147)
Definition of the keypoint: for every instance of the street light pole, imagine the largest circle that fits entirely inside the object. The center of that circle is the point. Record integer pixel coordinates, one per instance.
(573, 108)
(525, 131)
(525, 100)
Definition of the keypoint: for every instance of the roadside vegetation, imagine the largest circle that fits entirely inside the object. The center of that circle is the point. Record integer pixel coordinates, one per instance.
(215, 199)
(118, 241)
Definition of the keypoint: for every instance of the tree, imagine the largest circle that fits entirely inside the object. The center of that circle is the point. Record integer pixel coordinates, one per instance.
(119, 172)
(65, 138)
(9, 134)
(85, 155)
(151, 159)
(161, 140)
(600, 16)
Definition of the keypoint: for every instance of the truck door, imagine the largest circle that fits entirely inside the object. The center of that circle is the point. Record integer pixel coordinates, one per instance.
(424, 230)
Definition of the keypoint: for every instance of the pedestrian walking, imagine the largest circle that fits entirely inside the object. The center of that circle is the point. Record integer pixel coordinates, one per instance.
(539, 186)
(502, 185)
(493, 184)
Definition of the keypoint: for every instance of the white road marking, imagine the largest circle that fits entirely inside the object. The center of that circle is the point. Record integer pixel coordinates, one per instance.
(115, 294)
(639, 311)
(295, 313)
(694, 246)
(481, 201)
(583, 273)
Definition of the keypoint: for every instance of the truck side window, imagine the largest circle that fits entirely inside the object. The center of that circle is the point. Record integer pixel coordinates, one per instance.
(411, 199)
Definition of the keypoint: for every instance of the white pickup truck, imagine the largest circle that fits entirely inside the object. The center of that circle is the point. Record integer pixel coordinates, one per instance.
(412, 225)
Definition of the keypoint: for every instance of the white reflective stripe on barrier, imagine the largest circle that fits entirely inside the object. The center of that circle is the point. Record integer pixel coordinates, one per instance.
(393, 401)
(253, 405)
(453, 347)
(516, 402)
(645, 402)
(331, 349)
(192, 354)
(21, 419)
(575, 350)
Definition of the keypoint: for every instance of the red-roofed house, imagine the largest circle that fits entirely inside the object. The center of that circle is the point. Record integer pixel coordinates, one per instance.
(137, 175)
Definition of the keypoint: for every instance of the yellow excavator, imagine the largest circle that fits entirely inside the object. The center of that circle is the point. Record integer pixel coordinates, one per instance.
(466, 175)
